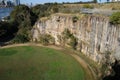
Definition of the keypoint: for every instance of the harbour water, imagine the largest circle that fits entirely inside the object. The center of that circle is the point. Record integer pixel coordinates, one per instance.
(5, 12)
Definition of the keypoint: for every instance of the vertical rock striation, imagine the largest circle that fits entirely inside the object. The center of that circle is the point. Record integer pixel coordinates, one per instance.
(95, 34)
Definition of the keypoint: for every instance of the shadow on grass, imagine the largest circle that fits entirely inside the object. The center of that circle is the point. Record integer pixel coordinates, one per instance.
(5, 52)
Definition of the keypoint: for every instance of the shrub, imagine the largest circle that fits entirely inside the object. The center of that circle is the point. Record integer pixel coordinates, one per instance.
(75, 19)
(88, 6)
(66, 34)
(73, 42)
(115, 18)
(20, 39)
(7, 29)
(22, 36)
(25, 19)
(47, 39)
(55, 9)
(69, 38)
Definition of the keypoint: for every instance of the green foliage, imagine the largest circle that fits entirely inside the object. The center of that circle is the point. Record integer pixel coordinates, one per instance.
(40, 10)
(73, 42)
(75, 19)
(7, 29)
(20, 39)
(95, 1)
(69, 38)
(22, 14)
(47, 39)
(25, 19)
(115, 18)
(45, 9)
(88, 6)
(66, 34)
(55, 9)
(22, 36)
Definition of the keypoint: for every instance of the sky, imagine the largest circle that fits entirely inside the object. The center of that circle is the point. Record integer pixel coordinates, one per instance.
(46, 1)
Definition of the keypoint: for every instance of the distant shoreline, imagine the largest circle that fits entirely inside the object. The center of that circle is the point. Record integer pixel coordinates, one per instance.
(5, 11)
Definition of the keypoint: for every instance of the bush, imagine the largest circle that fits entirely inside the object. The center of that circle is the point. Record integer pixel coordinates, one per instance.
(73, 42)
(69, 38)
(19, 38)
(25, 19)
(7, 29)
(75, 19)
(22, 36)
(88, 6)
(115, 18)
(47, 39)
(66, 34)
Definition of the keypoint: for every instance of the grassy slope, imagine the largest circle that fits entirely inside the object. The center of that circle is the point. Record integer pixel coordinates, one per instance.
(88, 61)
(38, 63)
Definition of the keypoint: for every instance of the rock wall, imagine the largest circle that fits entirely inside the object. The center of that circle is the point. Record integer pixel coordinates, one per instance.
(95, 34)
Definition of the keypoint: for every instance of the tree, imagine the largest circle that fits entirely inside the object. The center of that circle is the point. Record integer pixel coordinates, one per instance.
(23, 13)
(7, 29)
(25, 19)
(39, 10)
(95, 1)
(74, 19)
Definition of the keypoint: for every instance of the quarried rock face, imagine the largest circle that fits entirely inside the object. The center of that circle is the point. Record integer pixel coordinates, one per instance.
(97, 38)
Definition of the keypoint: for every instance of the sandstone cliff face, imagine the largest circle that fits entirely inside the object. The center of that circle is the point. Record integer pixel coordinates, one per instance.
(95, 34)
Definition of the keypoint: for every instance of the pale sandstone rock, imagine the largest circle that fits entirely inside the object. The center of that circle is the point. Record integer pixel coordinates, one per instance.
(95, 34)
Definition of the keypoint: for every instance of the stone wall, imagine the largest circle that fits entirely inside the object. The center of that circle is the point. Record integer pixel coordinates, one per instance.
(95, 34)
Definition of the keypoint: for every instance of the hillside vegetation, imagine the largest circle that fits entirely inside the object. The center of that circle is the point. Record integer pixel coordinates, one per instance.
(115, 18)
(23, 18)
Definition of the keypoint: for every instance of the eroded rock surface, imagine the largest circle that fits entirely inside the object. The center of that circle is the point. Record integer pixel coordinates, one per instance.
(95, 34)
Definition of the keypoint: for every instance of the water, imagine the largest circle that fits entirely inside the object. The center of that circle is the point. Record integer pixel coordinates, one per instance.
(5, 12)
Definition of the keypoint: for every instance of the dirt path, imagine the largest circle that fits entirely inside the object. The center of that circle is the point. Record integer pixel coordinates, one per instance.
(89, 72)
(31, 44)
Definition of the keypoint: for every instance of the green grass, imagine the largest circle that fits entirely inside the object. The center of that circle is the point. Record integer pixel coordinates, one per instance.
(38, 63)
(94, 65)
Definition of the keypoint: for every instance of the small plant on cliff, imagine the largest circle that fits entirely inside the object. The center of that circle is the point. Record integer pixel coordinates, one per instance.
(69, 38)
(115, 18)
(88, 6)
(75, 19)
(73, 42)
(46, 39)
(66, 34)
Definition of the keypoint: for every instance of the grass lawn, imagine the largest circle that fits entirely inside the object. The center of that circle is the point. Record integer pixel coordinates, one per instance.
(38, 63)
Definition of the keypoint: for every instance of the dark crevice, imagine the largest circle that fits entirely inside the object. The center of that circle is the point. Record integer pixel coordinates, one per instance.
(116, 68)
